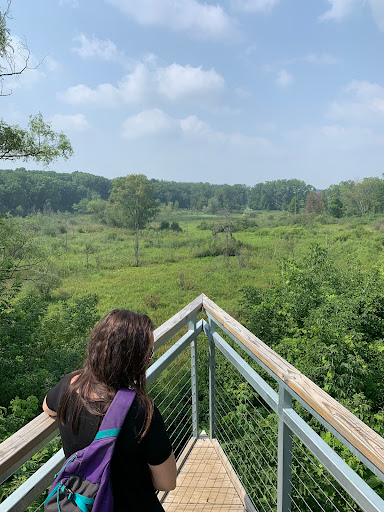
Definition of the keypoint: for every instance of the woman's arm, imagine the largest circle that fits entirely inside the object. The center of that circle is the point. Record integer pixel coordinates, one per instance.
(164, 475)
(46, 409)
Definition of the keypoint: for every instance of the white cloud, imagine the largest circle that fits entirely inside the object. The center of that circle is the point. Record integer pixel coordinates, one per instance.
(377, 7)
(339, 9)
(195, 126)
(202, 20)
(150, 84)
(319, 58)
(360, 102)
(67, 123)
(176, 82)
(284, 79)
(147, 123)
(94, 47)
(254, 5)
(155, 122)
(104, 95)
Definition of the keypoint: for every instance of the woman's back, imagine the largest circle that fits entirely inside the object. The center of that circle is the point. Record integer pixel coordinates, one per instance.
(131, 480)
(120, 349)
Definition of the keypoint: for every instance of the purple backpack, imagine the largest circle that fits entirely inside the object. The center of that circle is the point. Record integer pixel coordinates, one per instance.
(83, 483)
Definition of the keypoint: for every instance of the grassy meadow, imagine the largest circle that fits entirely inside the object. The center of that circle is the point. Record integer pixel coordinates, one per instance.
(176, 266)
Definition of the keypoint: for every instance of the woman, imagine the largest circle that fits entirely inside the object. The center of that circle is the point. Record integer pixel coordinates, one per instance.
(119, 351)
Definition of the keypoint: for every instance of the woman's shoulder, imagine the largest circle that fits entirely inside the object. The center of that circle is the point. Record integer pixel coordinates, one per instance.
(54, 394)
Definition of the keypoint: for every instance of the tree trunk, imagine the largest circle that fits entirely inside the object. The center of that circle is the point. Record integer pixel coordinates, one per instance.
(137, 248)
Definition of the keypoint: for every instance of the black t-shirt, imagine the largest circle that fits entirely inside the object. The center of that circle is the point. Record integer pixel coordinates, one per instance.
(131, 481)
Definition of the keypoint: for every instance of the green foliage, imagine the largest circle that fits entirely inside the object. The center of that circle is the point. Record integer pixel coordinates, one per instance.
(17, 415)
(294, 206)
(134, 195)
(23, 192)
(278, 194)
(175, 226)
(335, 206)
(164, 224)
(323, 315)
(37, 142)
(327, 321)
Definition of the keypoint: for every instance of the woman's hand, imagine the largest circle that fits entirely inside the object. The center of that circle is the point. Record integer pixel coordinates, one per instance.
(46, 409)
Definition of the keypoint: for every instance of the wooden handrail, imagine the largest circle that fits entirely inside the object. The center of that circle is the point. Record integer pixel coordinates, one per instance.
(362, 437)
(174, 324)
(20, 447)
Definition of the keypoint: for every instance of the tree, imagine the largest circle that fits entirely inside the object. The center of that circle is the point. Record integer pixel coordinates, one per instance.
(294, 206)
(8, 51)
(134, 195)
(38, 142)
(335, 207)
(314, 202)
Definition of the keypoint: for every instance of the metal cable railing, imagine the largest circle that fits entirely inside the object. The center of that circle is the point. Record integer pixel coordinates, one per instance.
(313, 488)
(171, 393)
(247, 431)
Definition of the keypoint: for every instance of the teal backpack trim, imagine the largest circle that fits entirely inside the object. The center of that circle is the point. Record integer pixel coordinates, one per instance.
(112, 432)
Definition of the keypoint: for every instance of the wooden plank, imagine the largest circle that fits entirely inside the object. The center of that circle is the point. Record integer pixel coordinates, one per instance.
(174, 324)
(203, 483)
(20, 447)
(362, 437)
(233, 477)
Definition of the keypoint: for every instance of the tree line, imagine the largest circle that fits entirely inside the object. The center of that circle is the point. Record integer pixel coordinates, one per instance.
(23, 192)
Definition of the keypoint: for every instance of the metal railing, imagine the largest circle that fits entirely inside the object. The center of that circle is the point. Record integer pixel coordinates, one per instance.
(271, 422)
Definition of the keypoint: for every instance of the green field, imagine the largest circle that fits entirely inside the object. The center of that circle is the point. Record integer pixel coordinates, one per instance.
(175, 267)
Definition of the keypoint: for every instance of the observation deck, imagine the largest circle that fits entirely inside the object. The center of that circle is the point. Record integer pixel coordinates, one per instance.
(275, 442)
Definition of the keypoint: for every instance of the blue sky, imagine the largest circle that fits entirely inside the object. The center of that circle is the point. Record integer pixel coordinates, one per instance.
(235, 91)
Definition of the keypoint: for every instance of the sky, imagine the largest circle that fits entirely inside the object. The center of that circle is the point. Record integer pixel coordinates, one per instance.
(231, 91)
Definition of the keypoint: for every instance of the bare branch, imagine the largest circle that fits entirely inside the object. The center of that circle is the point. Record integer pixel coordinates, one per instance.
(7, 52)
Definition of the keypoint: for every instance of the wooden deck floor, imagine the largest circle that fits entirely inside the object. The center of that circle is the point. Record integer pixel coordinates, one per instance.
(203, 483)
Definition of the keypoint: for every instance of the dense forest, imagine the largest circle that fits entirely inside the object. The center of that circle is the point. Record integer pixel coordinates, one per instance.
(23, 192)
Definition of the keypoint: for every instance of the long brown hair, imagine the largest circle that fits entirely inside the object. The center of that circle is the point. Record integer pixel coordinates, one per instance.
(119, 351)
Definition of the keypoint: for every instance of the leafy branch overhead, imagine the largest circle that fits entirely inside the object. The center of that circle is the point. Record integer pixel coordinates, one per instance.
(37, 142)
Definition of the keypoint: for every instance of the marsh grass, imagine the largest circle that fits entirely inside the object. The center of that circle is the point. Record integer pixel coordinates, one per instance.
(175, 267)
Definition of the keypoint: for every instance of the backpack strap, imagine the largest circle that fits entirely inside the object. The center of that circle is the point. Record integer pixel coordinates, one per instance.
(115, 416)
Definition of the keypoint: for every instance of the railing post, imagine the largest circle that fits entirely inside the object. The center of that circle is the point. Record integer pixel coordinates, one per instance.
(212, 381)
(194, 386)
(284, 463)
